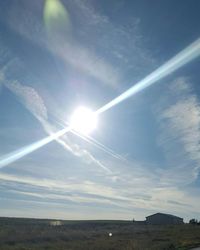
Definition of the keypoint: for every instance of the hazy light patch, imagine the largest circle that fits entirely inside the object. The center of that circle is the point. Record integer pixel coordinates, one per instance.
(55, 15)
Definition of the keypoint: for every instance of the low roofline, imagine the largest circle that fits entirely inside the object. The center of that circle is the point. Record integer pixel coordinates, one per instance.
(169, 215)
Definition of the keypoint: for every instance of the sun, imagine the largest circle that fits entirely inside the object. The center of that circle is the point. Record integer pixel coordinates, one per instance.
(83, 120)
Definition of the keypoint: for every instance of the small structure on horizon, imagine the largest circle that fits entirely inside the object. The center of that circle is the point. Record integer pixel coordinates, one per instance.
(55, 223)
(160, 219)
(163, 219)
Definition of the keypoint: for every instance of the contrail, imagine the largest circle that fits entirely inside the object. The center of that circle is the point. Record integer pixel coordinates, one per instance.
(99, 145)
(94, 142)
(182, 58)
(18, 154)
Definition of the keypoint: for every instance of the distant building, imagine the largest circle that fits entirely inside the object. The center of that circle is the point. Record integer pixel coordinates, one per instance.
(55, 223)
(163, 219)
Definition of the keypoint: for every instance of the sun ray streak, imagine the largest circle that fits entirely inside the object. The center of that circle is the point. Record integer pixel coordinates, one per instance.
(18, 154)
(182, 58)
(179, 60)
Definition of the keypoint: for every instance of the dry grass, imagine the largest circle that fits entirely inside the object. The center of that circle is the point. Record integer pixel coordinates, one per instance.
(27, 234)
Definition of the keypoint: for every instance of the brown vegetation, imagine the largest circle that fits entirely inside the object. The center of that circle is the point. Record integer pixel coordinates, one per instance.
(29, 234)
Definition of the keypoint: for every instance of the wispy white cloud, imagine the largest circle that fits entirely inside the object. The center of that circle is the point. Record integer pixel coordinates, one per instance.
(115, 36)
(125, 196)
(29, 97)
(86, 187)
(179, 119)
(62, 45)
(105, 35)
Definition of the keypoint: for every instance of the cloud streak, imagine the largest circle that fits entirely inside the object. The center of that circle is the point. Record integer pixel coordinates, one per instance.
(125, 196)
(61, 43)
(180, 129)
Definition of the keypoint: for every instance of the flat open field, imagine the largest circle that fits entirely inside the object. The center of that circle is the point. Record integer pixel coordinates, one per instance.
(33, 234)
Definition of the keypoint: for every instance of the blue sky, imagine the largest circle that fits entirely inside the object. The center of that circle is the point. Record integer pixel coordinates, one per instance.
(87, 53)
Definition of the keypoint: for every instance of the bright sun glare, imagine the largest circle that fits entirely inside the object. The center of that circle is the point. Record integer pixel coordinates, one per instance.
(83, 120)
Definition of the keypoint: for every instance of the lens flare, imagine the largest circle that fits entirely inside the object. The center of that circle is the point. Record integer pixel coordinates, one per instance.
(56, 16)
(84, 121)
(16, 155)
(182, 58)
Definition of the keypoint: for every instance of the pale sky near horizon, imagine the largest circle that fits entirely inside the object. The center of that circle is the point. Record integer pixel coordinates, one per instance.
(57, 55)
